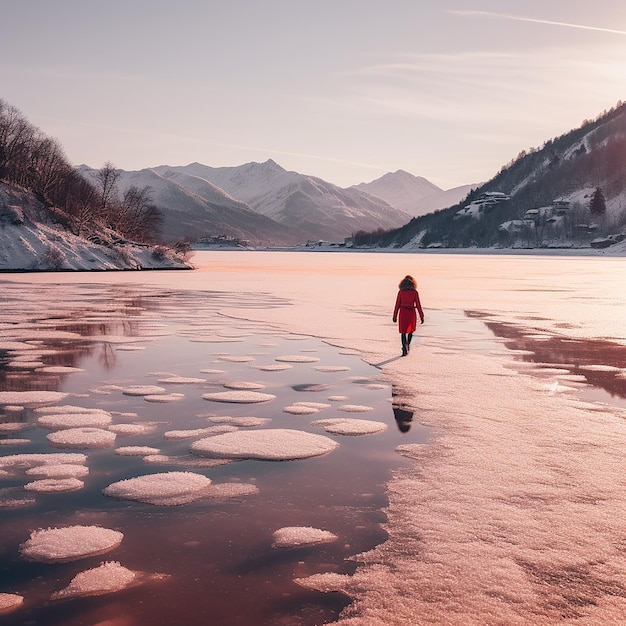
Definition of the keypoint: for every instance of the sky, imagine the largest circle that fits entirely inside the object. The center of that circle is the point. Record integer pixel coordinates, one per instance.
(345, 90)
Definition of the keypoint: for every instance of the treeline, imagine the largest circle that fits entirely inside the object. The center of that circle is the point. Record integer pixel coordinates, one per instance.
(37, 163)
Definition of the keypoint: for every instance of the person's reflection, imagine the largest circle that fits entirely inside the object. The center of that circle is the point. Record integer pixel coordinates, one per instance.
(404, 418)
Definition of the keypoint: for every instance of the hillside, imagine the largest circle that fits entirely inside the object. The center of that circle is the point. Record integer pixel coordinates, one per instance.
(303, 204)
(31, 239)
(541, 199)
(414, 195)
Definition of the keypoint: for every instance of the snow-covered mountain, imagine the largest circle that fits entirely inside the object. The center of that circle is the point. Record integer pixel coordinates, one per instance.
(194, 208)
(30, 239)
(304, 204)
(414, 195)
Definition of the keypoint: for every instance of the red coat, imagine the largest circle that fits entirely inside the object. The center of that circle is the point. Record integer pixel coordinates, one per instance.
(407, 302)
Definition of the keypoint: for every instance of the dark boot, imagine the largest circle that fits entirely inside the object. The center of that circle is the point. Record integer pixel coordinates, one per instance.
(405, 348)
(408, 341)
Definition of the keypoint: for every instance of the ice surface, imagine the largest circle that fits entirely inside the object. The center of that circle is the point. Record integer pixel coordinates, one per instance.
(59, 369)
(10, 602)
(136, 450)
(59, 545)
(331, 369)
(337, 398)
(81, 438)
(277, 444)
(54, 485)
(298, 409)
(235, 359)
(14, 442)
(347, 426)
(232, 490)
(106, 578)
(168, 488)
(31, 398)
(299, 536)
(239, 397)
(212, 371)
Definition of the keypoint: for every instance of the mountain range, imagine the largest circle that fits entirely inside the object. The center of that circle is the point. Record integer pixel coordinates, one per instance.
(265, 204)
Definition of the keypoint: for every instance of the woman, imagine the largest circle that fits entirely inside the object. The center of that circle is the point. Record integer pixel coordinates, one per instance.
(406, 309)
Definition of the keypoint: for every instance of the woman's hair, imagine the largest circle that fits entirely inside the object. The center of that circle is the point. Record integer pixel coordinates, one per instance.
(408, 282)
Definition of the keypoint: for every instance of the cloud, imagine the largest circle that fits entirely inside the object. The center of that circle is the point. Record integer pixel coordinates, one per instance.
(520, 18)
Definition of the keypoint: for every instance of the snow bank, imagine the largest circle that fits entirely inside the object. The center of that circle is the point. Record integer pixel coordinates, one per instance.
(59, 545)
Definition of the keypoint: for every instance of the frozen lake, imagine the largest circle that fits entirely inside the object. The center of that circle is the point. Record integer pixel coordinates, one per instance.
(477, 481)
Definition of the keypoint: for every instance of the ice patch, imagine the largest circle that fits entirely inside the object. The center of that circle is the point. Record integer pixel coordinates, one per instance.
(348, 426)
(10, 602)
(33, 460)
(325, 583)
(14, 442)
(143, 390)
(239, 397)
(136, 450)
(60, 470)
(54, 485)
(81, 438)
(337, 398)
(30, 398)
(355, 408)
(270, 444)
(93, 419)
(130, 429)
(59, 369)
(299, 536)
(600, 368)
(106, 578)
(168, 488)
(199, 432)
(297, 358)
(296, 409)
(235, 359)
(60, 545)
(181, 380)
(232, 490)
(279, 367)
(244, 385)
(164, 397)
(331, 368)
(212, 371)
(243, 422)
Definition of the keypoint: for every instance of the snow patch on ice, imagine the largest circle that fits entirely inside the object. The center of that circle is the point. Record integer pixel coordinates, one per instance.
(54, 485)
(143, 390)
(10, 602)
(299, 536)
(59, 470)
(168, 488)
(60, 545)
(239, 397)
(136, 450)
(107, 578)
(278, 444)
(93, 419)
(297, 358)
(356, 408)
(348, 426)
(81, 438)
(30, 398)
